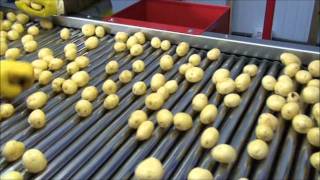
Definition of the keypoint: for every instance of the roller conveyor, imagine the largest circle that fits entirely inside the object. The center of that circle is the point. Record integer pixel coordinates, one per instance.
(102, 146)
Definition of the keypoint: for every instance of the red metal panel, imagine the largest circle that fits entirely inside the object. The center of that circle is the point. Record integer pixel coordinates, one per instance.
(268, 19)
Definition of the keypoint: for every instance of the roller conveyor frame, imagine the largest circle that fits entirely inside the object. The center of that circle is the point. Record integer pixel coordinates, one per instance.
(102, 146)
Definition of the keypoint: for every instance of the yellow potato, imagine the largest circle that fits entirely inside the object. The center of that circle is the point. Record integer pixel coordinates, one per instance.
(136, 118)
(145, 130)
(112, 67)
(226, 86)
(91, 43)
(224, 153)
(37, 119)
(34, 161)
(141, 37)
(39, 64)
(125, 76)
(13, 35)
(316, 112)
(6, 25)
(44, 52)
(30, 46)
(13, 150)
(88, 30)
(275, 102)
(156, 42)
(56, 84)
(314, 82)
(291, 69)
(11, 175)
(150, 168)
(70, 54)
(26, 38)
(264, 132)
(100, 31)
(56, 64)
(37, 100)
(45, 77)
(303, 76)
(242, 82)
(163, 92)
(13, 53)
(82, 61)
(11, 16)
(83, 108)
(194, 59)
(3, 34)
(69, 87)
(314, 68)
(293, 97)
(65, 34)
(171, 86)
(166, 62)
(36, 73)
(209, 137)
(3, 48)
(258, 149)
(313, 136)
(165, 45)
(157, 81)
(81, 78)
(138, 66)
(22, 18)
(251, 69)
(70, 46)
(283, 88)
(194, 74)
(121, 37)
(109, 87)
(200, 174)
(220, 75)
(269, 120)
(111, 101)
(184, 68)
(6, 111)
(72, 68)
(164, 118)
(232, 100)
(213, 54)
(289, 58)
(199, 101)
(290, 110)
(284, 78)
(46, 24)
(182, 49)
(132, 41)
(33, 30)
(136, 50)
(139, 88)
(154, 101)
(89, 93)
(302, 123)
(208, 114)
(18, 27)
(119, 46)
(311, 94)
(182, 121)
(315, 160)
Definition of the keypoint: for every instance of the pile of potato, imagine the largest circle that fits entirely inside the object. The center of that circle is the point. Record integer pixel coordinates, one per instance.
(133, 43)
(91, 32)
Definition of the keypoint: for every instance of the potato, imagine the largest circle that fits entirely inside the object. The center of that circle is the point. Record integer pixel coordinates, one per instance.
(166, 62)
(264, 132)
(13, 150)
(184, 68)
(313, 136)
(3, 48)
(139, 88)
(22, 18)
(289, 58)
(224, 153)
(112, 67)
(69, 87)
(111, 101)
(121, 37)
(119, 46)
(269, 120)
(3, 34)
(91, 43)
(194, 59)
(163, 92)
(125, 76)
(26, 38)
(164, 118)
(11, 16)
(157, 81)
(208, 114)
(275, 102)
(232, 100)
(56, 64)
(39, 64)
(13, 35)
(316, 112)
(194, 75)
(18, 27)
(82, 61)
(109, 87)
(56, 84)
(303, 76)
(314, 68)
(284, 78)
(37, 100)
(293, 97)
(213, 54)
(11, 175)
(314, 82)
(83, 108)
(199, 101)
(141, 37)
(88, 30)
(132, 41)
(220, 75)
(45, 77)
(81, 78)
(6, 111)
(200, 174)
(165, 45)
(138, 66)
(283, 88)
(34, 161)
(33, 30)
(291, 69)
(136, 50)
(144, 131)
(182, 49)
(258, 149)
(302, 123)
(315, 160)
(251, 69)
(36, 73)
(44, 52)
(70, 54)
(72, 68)
(242, 82)
(156, 42)
(30, 46)
(182, 121)
(70, 46)
(48, 58)
(136, 118)
(226, 86)
(209, 137)
(89, 93)
(171, 86)
(150, 168)
(100, 31)
(311, 94)
(65, 34)
(290, 110)
(36, 6)
(37, 119)
(6, 25)
(46, 24)
(154, 101)
(13, 53)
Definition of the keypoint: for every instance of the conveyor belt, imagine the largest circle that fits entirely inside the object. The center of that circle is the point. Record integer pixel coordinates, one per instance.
(102, 146)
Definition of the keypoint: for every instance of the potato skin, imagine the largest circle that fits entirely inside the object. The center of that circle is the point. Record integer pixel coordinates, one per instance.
(313, 136)
(315, 161)
(227, 86)
(164, 118)
(83, 108)
(157, 81)
(81, 78)
(136, 50)
(112, 67)
(156, 42)
(220, 75)
(166, 62)
(213, 54)
(209, 137)
(289, 110)
(171, 86)
(121, 36)
(154, 101)
(11, 175)
(289, 58)
(109, 87)
(65, 34)
(119, 47)
(34, 161)
(200, 174)
(182, 121)
(194, 59)
(303, 76)
(199, 102)
(208, 114)
(182, 49)
(183, 68)
(232, 100)
(311, 94)
(251, 69)
(165, 45)
(145, 130)
(125, 76)
(138, 66)
(150, 168)
(6, 111)
(56, 84)
(37, 119)
(302, 123)
(224, 153)
(314, 68)
(69, 87)
(242, 82)
(91, 43)
(269, 120)
(194, 74)
(258, 149)
(12, 150)
(111, 101)
(37, 100)
(264, 132)
(268, 82)
(316, 112)
(275, 102)
(136, 118)
(139, 88)
(89, 93)
(88, 30)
